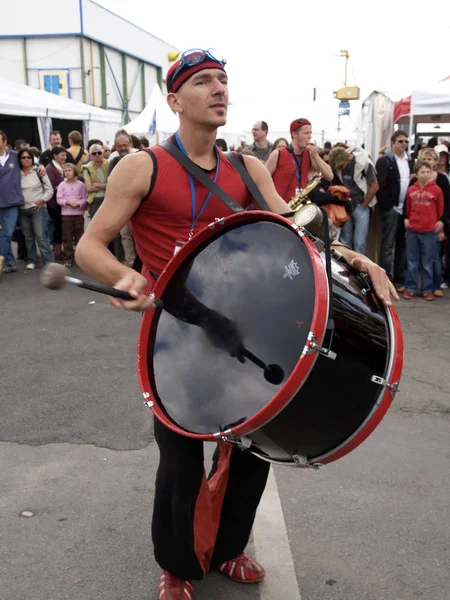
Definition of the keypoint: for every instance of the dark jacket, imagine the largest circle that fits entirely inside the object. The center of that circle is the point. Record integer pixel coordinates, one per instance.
(55, 179)
(388, 177)
(46, 158)
(10, 183)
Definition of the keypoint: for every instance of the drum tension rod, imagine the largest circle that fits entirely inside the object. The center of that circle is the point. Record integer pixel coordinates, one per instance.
(312, 346)
(394, 387)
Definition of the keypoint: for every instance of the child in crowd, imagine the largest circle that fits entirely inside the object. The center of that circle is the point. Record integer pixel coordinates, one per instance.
(72, 196)
(423, 207)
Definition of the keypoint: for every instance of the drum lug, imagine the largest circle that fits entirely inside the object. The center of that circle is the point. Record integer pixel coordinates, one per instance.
(244, 443)
(217, 221)
(225, 436)
(148, 403)
(392, 386)
(312, 346)
(301, 460)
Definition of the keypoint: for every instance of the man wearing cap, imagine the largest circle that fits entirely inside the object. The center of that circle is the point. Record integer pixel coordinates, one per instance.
(291, 167)
(199, 524)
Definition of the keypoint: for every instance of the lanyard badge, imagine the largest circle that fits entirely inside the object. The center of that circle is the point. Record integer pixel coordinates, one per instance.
(192, 186)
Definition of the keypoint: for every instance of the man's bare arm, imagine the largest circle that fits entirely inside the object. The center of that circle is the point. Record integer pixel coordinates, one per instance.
(127, 186)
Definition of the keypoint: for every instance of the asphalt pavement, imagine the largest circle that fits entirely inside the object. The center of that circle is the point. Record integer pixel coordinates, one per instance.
(77, 456)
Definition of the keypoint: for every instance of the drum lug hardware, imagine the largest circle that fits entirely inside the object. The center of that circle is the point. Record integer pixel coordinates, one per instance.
(217, 221)
(313, 346)
(392, 386)
(225, 436)
(244, 443)
(299, 459)
(298, 229)
(148, 403)
(328, 353)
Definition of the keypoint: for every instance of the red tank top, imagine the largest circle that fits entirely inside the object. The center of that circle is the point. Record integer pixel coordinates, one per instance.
(165, 216)
(285, 176)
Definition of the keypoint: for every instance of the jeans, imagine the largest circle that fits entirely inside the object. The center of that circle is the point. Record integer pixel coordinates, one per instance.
(393, 235)
(420, 250)
(34, 226)
(8, 220)
(354, 232)
(437, 266)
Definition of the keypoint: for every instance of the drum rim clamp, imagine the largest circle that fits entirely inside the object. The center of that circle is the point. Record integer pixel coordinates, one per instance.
(313, 346)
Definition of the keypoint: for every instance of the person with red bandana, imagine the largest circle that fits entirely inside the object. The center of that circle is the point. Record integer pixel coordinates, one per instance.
(199, 523)
(291, 167)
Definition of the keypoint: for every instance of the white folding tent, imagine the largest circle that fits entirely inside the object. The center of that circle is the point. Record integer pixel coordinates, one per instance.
(156, 121)
(431, 105)
(21, 100)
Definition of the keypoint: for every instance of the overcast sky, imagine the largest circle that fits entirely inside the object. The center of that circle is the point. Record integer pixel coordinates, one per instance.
(278, 54)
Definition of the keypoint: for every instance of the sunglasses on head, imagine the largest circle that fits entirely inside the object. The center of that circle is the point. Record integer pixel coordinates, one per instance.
(195, 56)
(96, 153)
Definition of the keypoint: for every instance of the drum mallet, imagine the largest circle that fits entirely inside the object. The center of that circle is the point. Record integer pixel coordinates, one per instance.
(54, 276)
(272, 373)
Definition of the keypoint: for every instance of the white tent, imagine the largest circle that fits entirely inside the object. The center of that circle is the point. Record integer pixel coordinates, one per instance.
(22, 100)
(431, 105)
(375, 123)
(156, 120)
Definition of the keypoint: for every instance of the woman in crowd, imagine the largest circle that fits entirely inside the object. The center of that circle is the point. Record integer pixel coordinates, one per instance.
(95, 174)
(37, 191)
(444, 159)
(279, 143)
(56, 175)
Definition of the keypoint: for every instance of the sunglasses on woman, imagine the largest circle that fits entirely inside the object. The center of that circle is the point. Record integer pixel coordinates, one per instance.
(96, 153)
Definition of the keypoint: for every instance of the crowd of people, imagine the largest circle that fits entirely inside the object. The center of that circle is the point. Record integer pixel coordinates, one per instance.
(46, 196)
(412, 193)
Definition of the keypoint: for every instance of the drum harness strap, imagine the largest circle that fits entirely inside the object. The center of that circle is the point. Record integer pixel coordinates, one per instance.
(238, 164)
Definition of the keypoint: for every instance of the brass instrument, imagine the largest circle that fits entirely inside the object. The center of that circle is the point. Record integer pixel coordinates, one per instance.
(296, 201)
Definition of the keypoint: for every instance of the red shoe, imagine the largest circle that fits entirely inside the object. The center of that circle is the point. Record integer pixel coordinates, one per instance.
(408, 295)
(243, 569)
(428, 296)
(174, 588)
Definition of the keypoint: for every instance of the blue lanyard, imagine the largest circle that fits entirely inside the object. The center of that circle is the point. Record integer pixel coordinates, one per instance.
(297, 167)
(192, 186)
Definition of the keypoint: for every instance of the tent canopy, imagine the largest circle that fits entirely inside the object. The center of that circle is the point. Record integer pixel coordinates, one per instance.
(25, 101)
(425, 106)
(155, 118)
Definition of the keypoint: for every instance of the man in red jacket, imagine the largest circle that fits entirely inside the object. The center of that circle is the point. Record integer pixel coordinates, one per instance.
(424, 206)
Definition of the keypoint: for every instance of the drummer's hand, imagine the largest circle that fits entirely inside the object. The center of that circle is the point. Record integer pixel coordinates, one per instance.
(383, 287)
(134, 283)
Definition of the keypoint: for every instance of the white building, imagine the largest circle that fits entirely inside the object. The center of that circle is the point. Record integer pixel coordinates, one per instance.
(80, 50)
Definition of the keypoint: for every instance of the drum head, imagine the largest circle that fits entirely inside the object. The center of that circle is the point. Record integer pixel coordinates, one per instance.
(253, 280)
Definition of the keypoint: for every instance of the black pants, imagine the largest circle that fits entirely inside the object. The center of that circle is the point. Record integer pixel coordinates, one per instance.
(393, 239)
(55, 215)
(197, 524)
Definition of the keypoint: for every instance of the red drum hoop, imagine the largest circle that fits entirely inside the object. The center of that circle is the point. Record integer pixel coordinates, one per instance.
(257, 430)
